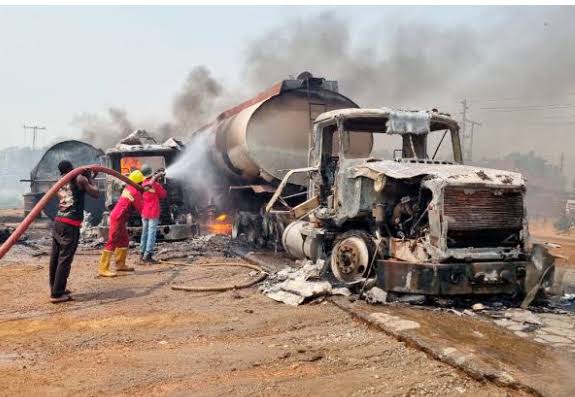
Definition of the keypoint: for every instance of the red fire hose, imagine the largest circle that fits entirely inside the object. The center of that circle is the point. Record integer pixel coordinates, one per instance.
(48, 196)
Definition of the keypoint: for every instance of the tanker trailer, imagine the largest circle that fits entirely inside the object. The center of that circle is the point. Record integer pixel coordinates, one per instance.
(250, 147)
(46, 173)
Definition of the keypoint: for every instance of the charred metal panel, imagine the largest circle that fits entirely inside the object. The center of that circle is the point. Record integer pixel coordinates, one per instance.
(355, 196)
(453, 174)
(469, 209)
(483, 218)
(450, 278)
(304, 208)
(408, 250)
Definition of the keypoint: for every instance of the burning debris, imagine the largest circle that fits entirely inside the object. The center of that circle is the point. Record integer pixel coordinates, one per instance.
(220, 225)
(196, 247)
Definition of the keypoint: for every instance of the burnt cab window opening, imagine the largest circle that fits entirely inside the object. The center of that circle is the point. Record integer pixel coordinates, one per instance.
(131, 163)
(437, 145)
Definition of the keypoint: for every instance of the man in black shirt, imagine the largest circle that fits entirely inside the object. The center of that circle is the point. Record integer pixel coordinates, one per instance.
(66, 229)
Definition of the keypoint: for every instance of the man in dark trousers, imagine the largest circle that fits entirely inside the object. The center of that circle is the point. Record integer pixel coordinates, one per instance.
(66, 229)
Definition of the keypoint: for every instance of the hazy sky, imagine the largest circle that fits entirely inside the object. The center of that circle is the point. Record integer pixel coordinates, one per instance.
(59, 62)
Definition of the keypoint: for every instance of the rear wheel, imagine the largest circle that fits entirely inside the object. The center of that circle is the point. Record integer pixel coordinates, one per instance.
(248, 227)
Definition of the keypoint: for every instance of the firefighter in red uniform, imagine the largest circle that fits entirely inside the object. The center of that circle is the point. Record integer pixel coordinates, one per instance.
(118, 238)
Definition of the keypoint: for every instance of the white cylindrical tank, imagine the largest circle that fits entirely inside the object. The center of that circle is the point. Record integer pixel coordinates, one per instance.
(265, 137)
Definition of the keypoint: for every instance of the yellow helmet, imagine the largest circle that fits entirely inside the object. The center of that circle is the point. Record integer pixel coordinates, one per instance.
(136, 176)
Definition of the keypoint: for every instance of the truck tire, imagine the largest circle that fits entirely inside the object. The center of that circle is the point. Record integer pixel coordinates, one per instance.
(348, 261)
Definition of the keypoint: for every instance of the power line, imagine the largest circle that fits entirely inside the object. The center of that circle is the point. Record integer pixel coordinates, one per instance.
(526, 110)
(532, 107)
(512, 98)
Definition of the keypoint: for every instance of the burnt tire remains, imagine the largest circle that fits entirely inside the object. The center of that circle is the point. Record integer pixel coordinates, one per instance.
(350, 256)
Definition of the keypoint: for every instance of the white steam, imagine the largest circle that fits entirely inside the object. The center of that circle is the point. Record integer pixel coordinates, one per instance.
(194, 171)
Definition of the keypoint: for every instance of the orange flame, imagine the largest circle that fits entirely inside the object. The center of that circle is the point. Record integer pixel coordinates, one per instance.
(129, 164)
(220, 225)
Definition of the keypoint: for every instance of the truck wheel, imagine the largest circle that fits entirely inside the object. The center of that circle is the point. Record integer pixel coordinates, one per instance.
(350, 257)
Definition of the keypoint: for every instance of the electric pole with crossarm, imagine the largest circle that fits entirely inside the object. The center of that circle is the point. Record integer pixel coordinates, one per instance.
(34, 129)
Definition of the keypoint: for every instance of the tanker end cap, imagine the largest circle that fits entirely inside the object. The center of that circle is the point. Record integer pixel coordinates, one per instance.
(304, 75)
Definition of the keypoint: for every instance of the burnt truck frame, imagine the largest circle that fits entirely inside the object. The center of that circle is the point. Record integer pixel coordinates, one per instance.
(420, 225)
(174, 223)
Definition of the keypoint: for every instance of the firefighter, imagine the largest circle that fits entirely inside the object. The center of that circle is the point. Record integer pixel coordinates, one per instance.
(151, 212)
(118, 238)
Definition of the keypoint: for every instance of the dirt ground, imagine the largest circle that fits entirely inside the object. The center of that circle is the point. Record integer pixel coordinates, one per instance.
(543, 231)
(134, 335)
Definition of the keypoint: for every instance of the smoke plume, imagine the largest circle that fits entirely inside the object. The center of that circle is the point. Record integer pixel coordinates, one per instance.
(515, 68)
(104, 131)
(514, 65)
(197, 101)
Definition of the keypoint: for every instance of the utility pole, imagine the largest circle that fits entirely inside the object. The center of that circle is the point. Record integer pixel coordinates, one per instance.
(34, 129)
(470, 149)
(467, 134)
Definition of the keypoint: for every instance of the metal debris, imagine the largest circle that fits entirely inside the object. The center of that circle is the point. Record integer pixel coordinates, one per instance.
(376, 295)
(523, 316)
(297, 291)
(293, 286)
(342, 291)
(89, 235)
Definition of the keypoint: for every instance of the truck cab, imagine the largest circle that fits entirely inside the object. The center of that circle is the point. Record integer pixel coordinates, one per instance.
(130, 154)
(421, 224)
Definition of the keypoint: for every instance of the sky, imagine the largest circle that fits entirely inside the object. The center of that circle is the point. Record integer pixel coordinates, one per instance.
(514, 65)
(57, 62)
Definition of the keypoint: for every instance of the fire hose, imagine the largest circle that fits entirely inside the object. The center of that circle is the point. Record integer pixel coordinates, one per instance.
(220, 288)
(22, 227)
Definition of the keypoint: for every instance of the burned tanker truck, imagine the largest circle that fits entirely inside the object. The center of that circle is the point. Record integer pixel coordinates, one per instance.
(419, 224)
(299, 168)
(251, 147)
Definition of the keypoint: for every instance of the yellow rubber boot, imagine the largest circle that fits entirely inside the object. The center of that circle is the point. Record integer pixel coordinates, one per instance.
(121, 255)
(104, 267)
